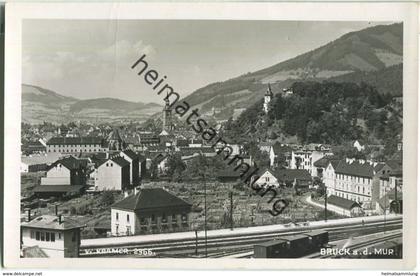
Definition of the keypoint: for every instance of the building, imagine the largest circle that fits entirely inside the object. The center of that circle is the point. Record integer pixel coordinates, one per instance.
(344, 206)
(64, 177)
(319, 167)
(114, 140)
(149, 211)
(133, 158)
(329, 177)
(112, 174)
(280, 155)
(50, 236)
(76, 144)
(354, 180)
(268, 96)
(305, 158)
(267, 178)
(167, 124)
(284, 177)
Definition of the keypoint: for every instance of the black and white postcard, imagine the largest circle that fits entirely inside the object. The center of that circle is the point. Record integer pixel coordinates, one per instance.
(257, 135)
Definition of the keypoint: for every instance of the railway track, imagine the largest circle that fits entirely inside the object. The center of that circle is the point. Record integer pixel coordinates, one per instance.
(360, 245)
(222, 246)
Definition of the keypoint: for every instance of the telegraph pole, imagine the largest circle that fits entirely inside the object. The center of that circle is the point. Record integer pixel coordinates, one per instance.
(325, 206)
(231, 210)
(205, 216)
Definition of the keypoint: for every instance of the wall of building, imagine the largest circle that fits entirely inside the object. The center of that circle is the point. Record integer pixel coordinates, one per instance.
(54, 249)
(75, 148)
(121, 226)
(58, 175)
(109, 177)
(355, 188)
(267, 179)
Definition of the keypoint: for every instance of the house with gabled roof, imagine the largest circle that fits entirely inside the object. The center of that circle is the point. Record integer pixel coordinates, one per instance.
(149, 211)
(112, 174)
(277, 152)
(64, 176)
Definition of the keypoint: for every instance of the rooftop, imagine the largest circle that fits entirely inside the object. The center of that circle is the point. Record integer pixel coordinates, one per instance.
(342, 202)
(150, 199)
(52, 222)
(75, 141)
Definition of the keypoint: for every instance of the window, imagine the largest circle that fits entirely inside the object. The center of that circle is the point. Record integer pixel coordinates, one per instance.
(47, 236)
(128, 218)
(107, 164)
(73, 237)
(53, 237)
(42, 236)
(32, 234)
(184, 217)
(116, 216)
(59, 236)
(153, 218)
(112, 164)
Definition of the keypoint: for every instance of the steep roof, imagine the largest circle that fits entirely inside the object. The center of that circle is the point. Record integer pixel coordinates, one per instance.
(75, 141)
(70, 163)
(281, 149)
(342, 202)
(324, 161)
(114, 135)
(34, 252)
(150, 199)
(52, 222)
(291, 175)
(355, 168)
(118, 160)
(131, 154)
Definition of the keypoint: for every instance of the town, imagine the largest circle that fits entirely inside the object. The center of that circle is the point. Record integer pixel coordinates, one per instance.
(82, 181)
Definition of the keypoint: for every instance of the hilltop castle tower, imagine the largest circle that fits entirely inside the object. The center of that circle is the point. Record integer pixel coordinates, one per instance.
(268, 96)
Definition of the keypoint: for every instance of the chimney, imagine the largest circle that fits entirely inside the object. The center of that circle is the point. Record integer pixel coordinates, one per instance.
(56, 209)
(60, 219)
(28, 214)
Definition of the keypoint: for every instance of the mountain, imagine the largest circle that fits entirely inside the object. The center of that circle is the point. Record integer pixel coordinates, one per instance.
(40, 104)
(362, 52)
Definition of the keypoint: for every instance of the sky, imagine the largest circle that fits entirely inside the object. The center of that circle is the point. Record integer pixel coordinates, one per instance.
(89, 59)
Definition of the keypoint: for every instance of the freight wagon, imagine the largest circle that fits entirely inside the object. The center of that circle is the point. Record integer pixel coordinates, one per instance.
(294, 246)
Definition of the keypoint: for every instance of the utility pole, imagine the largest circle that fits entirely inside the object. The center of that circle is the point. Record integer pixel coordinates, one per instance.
(205, 216)
(325, 206)
(231, 210)
(196, 242)
(386, 199)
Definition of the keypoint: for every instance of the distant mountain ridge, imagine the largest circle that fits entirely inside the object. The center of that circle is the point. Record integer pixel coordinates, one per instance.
(360, 55)
(40, 104)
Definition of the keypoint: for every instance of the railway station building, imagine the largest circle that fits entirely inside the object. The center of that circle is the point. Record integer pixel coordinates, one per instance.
(149, 211)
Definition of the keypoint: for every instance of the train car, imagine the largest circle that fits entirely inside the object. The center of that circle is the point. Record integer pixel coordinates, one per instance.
(294, 246)
(317, 239)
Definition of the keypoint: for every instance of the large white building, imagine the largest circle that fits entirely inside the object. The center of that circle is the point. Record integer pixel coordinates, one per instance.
(76, 144)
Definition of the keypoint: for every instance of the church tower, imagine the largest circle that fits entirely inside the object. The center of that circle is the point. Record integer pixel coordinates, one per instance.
(167, 116)
(268, 96)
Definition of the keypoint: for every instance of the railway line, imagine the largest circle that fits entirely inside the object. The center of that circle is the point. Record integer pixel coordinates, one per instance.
(225, 246)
